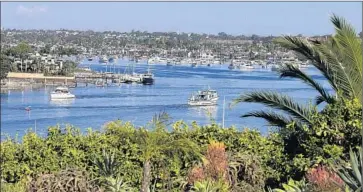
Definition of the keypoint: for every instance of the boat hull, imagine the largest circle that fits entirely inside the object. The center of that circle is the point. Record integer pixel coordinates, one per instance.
(202, 103)
(54, 96)
(147, 81)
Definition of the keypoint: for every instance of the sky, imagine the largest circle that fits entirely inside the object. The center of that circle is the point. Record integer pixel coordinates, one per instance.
(236, 18)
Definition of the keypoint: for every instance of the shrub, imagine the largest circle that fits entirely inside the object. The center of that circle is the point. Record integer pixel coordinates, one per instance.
(324, 180)
(65, 180)
(327, 140)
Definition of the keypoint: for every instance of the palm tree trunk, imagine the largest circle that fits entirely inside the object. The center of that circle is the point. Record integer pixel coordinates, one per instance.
(146, 177)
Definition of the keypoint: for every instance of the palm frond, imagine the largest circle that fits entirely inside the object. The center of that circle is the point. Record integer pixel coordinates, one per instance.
(332, 54)
(351, 49)
(309, 51)
(278, 101)
(319, 99)
(274, 119)
(290, 70)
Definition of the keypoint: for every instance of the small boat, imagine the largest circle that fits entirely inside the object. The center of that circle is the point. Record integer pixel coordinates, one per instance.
(231, 66)
(100, 83)
(147, 78)
(90, 58)
(151, 61)
(274, 67)
(103, 60)
(133, 78)
(204, 98)
(61, 93)
(194, 64)
(162, 61)
(27, 108)
(168, 63)
(247, 66)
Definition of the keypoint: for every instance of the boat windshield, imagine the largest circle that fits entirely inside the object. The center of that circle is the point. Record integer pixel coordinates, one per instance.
(61, 90)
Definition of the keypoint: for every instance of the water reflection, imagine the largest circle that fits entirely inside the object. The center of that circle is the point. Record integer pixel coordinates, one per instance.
(62, 102)
(209, 112)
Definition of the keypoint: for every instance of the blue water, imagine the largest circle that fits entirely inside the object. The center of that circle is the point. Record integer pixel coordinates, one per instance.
(94, 106)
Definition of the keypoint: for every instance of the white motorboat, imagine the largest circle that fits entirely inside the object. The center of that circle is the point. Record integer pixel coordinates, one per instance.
(204, 98)
(61, 93)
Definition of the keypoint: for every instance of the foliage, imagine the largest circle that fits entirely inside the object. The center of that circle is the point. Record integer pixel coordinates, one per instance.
(121, 149)
(339, 60)
(324, 180)
(4, 66)
(67, 147)
(69, 67)
(21, 50)
(294, 186)
(107, 164)
(117, 185)
(327, 140)
(246, 172)
(11, 187)
(214, 170)
(67, 180)
(157, 146)
(351, 174)
(216, 161)
(210, 186)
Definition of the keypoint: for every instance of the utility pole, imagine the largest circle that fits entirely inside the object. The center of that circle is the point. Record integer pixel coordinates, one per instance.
(224, 103)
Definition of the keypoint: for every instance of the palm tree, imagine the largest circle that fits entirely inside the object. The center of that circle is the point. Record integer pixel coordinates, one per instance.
(157, 143)
(339, 59)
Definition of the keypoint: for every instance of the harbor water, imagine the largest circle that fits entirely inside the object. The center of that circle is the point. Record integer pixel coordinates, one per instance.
(95, 106)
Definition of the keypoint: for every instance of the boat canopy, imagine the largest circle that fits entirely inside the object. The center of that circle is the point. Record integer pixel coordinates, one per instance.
(61, 89)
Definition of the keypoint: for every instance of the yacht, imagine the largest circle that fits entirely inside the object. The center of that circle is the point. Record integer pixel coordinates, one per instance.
(162, 60)
(204, 98)
(133, 78)
(147, 78)
(246, 66)
(61, 93)
(275, 66)
(152, 60)
(169, 62)
(231, 66)
(194, 63)
(111, 60)
(103, 60)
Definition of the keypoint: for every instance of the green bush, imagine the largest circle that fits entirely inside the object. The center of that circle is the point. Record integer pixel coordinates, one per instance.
(267, 160)
(334, 131)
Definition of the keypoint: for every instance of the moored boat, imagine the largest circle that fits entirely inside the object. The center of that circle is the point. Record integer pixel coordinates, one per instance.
(147, 78)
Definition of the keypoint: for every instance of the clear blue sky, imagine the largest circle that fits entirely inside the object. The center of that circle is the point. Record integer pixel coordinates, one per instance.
(261, 18)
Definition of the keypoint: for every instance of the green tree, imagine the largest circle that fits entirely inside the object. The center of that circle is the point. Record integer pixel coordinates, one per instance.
(157, 144)
(45, 50)
(68, 68)
(21, 50)
(339, 60)
(4, 66)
